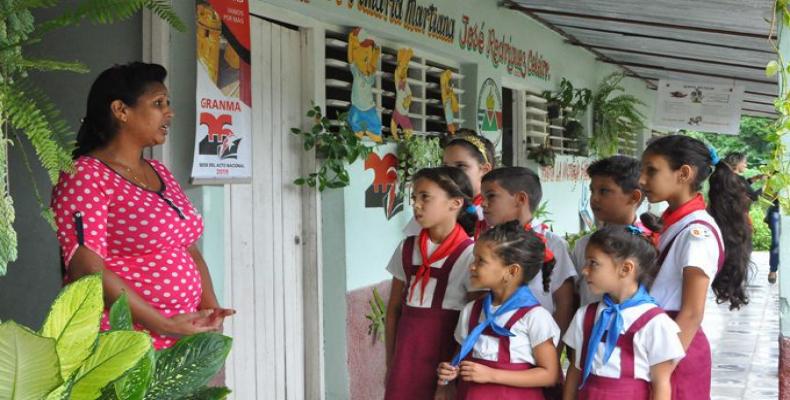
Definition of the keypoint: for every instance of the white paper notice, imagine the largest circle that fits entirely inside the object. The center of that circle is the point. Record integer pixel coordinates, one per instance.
(699, 106)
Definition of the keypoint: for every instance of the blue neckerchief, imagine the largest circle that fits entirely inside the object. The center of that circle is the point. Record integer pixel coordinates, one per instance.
(523, 297)
(611, 323)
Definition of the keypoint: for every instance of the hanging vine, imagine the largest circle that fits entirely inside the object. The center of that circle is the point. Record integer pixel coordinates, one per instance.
(777, 169)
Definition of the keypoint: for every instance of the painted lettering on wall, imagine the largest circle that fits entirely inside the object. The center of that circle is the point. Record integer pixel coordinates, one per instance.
(565, 170)
(501, 51)
(413, 16)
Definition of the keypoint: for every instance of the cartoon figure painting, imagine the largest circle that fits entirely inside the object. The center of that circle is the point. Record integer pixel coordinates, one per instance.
(363, 58)
(402, 95)
(449, 100)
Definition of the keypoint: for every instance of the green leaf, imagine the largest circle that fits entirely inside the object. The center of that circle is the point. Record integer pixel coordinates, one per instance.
(29, 367)
(121, 315)
(116, 353)
(73, 321)
(209, 393)
(188, 365)
(772, 68)
(134, 384)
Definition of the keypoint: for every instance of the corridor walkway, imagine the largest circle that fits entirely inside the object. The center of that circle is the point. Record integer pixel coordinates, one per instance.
(745, 343)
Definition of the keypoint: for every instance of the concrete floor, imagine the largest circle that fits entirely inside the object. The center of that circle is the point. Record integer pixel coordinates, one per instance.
(745, 343)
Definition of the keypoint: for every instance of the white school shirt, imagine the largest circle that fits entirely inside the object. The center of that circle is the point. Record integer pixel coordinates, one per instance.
(563, 268)
(534, 328)
(585, 295)
(458, 284)
(656, 342)
(695, 246)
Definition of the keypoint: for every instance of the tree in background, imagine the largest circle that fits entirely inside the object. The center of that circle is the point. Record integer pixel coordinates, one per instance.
(753, 141)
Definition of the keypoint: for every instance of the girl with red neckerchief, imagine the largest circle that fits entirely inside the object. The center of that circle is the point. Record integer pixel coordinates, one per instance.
(430, 284)
(692, 238)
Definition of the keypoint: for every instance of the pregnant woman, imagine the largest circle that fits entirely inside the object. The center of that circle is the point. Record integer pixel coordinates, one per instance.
(127, 217)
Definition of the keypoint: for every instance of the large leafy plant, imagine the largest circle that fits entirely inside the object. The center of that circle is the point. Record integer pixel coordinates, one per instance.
(70, 359)
(24, 110)
(614, 116)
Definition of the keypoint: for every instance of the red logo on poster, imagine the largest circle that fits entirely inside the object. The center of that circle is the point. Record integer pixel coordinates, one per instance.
(383, 191)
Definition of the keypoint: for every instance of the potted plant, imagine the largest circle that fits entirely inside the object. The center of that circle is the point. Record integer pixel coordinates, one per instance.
(335, 146)
(614, 115)
(543, 154)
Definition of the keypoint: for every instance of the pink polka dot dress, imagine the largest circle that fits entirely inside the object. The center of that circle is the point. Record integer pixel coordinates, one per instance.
(142, 235)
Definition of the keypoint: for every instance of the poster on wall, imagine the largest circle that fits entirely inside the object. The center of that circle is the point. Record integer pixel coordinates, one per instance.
(699, 106)
(223, 127)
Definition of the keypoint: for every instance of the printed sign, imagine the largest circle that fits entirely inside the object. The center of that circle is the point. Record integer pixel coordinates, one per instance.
(223, 142)
(699, 106)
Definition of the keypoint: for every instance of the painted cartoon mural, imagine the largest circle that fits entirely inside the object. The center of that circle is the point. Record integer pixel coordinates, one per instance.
(363, 59)
(400, 116)
(449, 100)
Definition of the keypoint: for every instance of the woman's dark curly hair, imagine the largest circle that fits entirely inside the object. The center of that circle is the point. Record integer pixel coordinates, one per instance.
(120, 82)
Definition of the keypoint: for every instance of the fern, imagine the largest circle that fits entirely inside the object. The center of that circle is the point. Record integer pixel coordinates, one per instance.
(7, 234)
(26, 111)
(25, 115)
(614, 117)
(109, 11)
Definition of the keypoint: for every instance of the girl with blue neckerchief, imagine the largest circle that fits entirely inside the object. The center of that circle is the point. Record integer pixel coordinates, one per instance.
(508, 341)
(625, 346)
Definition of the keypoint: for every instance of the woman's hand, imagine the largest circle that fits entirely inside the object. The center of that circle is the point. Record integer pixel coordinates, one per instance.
(215, 319)
(187, 324)
(474, 372)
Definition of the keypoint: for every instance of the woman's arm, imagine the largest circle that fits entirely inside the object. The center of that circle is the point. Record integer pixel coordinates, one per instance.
(208, 300)
(86, 262)
(572, 379)
(545, 372)
(393, 315)
(692, 306)
(660, 374)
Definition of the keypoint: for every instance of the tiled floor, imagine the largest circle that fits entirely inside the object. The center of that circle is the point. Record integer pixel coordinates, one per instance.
(745, 343)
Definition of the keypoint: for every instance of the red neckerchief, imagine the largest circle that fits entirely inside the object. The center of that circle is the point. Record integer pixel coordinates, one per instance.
(548, 255)
(455, 238)
(481, 225)
(671, 217)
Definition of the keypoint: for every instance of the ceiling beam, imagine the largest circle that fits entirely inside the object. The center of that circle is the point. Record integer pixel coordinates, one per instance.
(533, 10)
(573, 40)
(674, 57)
(708, 43)
(658, 67)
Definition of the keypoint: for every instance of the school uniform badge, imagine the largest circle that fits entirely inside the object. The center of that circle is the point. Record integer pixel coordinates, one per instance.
(700, 233)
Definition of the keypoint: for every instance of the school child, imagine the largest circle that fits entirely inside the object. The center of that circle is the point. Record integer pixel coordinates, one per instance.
(625, 346)
(614, 199)
(513, 193)
(430, 283)
(473, 154)
(508, 341)
(692, 245)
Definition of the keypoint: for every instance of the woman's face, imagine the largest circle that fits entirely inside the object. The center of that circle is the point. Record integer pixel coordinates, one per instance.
(740, 168)
(148, 121)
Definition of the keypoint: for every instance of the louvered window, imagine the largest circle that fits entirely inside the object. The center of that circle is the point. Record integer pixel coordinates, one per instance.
(426, 111)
